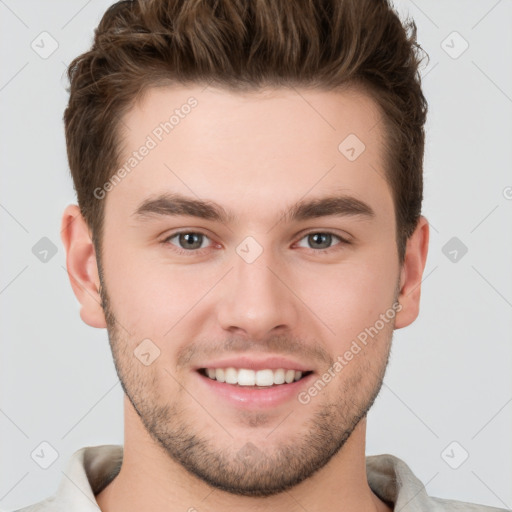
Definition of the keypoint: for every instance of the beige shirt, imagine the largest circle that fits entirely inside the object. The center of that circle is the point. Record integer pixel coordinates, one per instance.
(92, 468)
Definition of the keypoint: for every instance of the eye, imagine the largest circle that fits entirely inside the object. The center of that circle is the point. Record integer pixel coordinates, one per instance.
(187, 241)
(322, 240)
(191, 242)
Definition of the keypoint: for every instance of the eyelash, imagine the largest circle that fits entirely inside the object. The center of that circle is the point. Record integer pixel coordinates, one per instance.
(193, 252)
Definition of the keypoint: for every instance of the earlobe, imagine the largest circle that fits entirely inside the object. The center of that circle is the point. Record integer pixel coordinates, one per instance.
(81, 266)
(412, 273)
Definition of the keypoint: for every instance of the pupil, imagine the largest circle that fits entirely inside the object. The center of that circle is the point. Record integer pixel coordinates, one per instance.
(189, 240)
(316, 239)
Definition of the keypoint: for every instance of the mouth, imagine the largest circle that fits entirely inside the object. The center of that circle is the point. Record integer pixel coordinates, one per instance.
(255, 379)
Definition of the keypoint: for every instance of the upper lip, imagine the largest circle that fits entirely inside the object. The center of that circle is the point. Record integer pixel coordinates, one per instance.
(256, 363)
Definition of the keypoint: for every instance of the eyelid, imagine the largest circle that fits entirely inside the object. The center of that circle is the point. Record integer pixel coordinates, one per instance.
(343, 240)
(187, 231)
(342, 236)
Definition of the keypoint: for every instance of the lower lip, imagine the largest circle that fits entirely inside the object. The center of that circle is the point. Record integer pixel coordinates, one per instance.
(250, 397)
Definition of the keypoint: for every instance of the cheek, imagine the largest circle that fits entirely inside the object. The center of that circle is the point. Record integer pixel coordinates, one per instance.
(350, 297)
(149, 297)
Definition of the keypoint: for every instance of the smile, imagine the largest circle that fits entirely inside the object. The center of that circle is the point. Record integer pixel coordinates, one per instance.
(256, 378)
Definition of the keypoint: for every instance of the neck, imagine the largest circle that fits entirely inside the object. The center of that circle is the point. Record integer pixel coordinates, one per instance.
(149, 479)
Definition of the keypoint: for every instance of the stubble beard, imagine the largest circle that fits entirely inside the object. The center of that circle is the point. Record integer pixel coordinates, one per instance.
(247, 471)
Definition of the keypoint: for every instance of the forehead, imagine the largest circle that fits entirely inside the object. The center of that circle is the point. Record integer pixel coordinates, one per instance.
(253, 152)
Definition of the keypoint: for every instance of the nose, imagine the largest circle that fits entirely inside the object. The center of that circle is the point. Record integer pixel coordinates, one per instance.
(256, 299)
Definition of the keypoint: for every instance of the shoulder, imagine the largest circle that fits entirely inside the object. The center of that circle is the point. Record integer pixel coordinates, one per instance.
(393, 481)
(439, 504)
(46, 505)
(87, 471)
(442, 505)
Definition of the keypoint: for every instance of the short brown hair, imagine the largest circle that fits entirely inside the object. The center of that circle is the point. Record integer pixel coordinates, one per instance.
(247, 45)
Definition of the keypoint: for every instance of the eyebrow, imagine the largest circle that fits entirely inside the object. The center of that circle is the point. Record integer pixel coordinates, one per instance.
(180, 205)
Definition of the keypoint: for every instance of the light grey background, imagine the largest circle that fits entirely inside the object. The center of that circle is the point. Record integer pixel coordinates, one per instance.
(450, 376)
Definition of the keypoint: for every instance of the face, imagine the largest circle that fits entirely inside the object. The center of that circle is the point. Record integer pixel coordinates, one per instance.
(247, 244)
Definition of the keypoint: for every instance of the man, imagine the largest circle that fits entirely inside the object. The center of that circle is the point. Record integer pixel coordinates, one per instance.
(249, 180)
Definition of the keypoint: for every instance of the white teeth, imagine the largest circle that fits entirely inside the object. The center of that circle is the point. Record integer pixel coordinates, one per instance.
(289, 376)
(279, 376)
(231, 376)
(245, 377)
(264, 378)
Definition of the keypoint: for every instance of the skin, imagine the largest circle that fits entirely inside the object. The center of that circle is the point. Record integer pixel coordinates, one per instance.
(254, 154)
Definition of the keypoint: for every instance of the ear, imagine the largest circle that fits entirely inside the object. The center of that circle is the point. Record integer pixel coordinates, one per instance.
(412, 273)
(81, 266)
